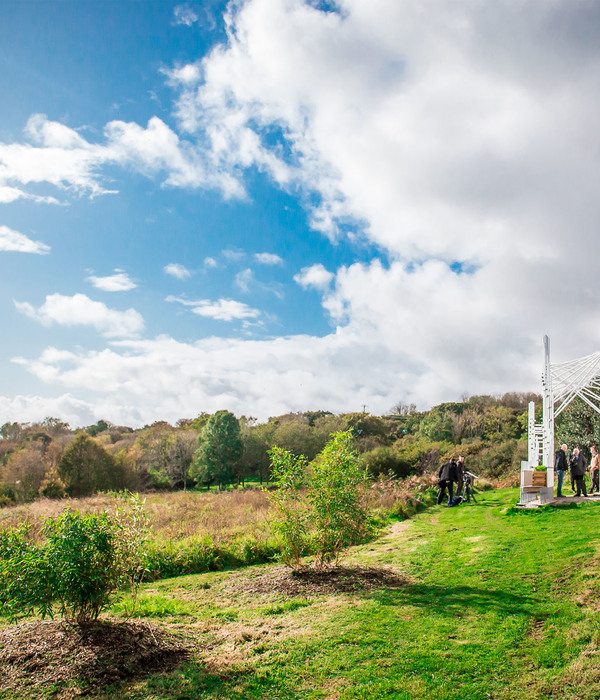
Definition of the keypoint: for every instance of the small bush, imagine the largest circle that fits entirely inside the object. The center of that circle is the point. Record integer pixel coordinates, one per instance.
(78, 565)
(319, 509)
(289, 474)
(338, 513)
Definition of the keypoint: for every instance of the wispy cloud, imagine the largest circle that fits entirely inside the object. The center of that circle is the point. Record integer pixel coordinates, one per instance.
(118, 282)
(14, 241)
(177, 270)
(221, 310)
(184, 15)
(59, 156)
(12, 194)
(268, 259)
(80, 310)
(246, 282)
(233, 255)
(244, 279)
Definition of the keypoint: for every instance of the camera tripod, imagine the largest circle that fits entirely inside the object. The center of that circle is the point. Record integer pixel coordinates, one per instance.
(468, 491)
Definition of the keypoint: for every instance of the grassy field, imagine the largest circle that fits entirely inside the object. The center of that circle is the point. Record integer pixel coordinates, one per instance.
(198, 531)
(477, 602)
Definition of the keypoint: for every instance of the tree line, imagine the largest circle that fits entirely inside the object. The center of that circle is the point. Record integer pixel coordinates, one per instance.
(49, 459)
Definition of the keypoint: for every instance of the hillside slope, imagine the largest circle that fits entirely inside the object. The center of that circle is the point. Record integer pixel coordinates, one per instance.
(468, 603)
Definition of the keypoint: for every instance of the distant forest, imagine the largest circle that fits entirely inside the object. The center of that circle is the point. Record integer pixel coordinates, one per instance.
(49, 459)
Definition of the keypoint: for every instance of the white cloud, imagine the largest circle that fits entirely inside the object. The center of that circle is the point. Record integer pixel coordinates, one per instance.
(177, 270)
(117, 282)
(184, 15)
(14, 241)
(210, 263)
(464, 133)
(268, 259)
(314, 276)
(225, 310)
(188, 74)
(59, 156)
(12, 194)
(80, 310)
(221, 310)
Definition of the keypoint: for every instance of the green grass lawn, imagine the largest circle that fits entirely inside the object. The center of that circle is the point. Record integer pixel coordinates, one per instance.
(497, 604)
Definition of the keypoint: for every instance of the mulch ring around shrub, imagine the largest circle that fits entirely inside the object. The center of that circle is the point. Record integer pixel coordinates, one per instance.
(75, 660)
(319, 581)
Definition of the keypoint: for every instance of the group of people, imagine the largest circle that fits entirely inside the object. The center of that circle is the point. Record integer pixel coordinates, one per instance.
(453, 472)
(578, 465)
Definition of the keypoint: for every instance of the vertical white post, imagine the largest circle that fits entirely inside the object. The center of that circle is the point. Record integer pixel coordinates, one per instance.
(548, 415)
(532, 456)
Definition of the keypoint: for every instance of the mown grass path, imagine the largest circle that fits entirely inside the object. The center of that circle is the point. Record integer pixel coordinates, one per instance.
(497, 604)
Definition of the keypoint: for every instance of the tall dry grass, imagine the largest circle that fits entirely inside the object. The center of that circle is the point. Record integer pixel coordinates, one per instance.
(171, 516)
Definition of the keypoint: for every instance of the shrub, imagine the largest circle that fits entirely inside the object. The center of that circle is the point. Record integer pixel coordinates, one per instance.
(24, 575)
(385, 461)
(319, 508)
(79, 564)
(338, 513)
(289, 474)
(85, 563)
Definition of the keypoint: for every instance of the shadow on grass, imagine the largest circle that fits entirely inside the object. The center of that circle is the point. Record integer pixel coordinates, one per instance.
(193, 679)
(452, 600)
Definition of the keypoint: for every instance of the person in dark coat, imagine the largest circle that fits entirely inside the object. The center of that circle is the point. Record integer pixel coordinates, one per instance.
(578, 469)
(560, 467)
(447, 477)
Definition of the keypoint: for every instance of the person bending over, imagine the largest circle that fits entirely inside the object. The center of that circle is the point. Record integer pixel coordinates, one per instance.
(447, 477)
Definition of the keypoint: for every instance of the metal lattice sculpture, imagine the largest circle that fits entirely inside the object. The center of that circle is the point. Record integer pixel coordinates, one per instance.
(562, 383)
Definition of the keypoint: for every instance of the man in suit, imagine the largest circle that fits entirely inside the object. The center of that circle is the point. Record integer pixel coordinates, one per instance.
(560, 467)
(578, 469)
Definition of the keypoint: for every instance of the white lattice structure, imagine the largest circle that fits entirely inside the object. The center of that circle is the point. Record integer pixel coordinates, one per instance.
(561, 384)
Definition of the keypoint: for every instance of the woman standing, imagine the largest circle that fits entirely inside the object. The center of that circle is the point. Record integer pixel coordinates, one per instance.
(594, 469)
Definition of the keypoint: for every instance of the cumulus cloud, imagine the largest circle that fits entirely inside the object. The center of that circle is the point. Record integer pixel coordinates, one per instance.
(314, 276)
(187, 75)
(460, 139)
(14, 241)
(117, 282)
(80, 310)
(460, 142)
(177, 270)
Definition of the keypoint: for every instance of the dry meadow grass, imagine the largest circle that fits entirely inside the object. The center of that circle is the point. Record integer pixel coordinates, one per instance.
(172, 516)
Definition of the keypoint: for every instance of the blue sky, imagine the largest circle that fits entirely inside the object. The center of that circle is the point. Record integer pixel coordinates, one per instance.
(275, 205)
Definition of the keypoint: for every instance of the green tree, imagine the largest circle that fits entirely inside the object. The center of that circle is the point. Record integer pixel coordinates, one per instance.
(87, 467)
(578, 426)
(219, 451)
